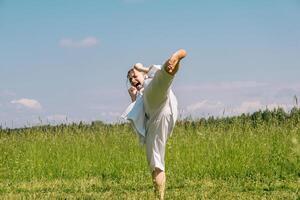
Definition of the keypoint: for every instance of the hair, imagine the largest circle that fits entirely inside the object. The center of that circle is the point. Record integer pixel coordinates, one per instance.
(130, 71)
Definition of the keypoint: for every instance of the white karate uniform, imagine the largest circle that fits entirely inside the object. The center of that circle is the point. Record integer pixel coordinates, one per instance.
(153, 115)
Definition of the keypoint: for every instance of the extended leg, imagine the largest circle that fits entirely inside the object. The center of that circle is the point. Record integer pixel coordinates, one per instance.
(156, 92)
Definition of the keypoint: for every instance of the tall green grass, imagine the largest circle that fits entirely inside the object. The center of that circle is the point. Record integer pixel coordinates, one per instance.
(246, 157)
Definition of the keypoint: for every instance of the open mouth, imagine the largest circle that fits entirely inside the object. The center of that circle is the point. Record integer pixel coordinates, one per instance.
(138, 85)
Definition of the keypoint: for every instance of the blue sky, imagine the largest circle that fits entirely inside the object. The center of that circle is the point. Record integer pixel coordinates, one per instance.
(68, 59)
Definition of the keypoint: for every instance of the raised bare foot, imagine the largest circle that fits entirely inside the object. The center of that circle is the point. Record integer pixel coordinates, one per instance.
(172, 65)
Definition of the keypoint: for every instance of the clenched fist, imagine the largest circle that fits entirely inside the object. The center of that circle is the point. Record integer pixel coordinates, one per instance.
(132, 92)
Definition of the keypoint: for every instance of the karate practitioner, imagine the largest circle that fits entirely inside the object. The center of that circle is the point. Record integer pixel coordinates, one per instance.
(153, 112)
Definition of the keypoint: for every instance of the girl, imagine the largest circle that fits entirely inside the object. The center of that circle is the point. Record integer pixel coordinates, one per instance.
(153, 112)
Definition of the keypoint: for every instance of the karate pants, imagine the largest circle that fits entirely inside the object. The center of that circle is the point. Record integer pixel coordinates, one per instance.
(160, 119)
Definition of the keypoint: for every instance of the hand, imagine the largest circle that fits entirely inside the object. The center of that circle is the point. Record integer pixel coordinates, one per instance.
(141, 68)
(132, 92)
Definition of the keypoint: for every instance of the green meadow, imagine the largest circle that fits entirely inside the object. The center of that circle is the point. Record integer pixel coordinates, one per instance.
(252, 156)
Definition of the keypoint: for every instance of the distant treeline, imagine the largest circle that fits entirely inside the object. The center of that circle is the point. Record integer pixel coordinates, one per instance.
(276, 116)
(271, 117)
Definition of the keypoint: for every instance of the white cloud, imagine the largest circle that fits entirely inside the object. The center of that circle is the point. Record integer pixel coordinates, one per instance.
(281, 105)
(218, 108)
(111, 114)
(248, 106)
(204, 105)
(84, 43)
(57, 117)
(252, 106)
(28, 103)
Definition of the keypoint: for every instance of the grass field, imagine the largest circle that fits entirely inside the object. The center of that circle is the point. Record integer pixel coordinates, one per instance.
(247, 157)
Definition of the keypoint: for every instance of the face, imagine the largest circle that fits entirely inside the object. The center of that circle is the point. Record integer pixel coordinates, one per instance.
(136, 78)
